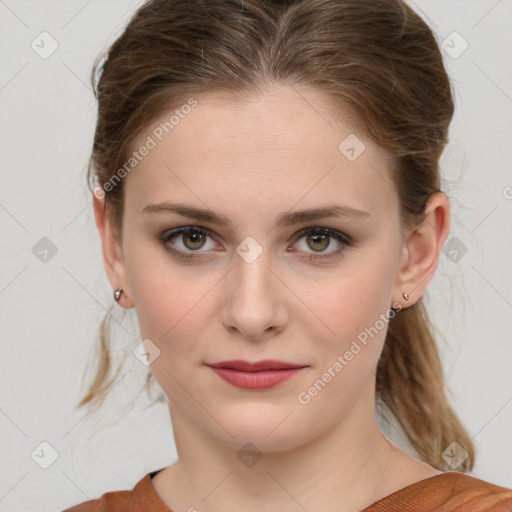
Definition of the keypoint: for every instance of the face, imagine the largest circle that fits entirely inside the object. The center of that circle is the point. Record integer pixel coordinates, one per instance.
(264, 283)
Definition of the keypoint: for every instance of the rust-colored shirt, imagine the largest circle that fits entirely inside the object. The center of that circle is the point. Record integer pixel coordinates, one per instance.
(447, 492)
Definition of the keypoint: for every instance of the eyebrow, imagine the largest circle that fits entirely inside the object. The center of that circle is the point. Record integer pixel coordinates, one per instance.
(283, 220)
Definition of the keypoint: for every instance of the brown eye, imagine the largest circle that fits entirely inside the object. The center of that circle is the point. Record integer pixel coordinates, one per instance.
(187, 240)
(318, 242)
(194, 240)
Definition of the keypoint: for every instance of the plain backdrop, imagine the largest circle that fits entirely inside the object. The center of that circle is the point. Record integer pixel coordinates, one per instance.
(54, 292)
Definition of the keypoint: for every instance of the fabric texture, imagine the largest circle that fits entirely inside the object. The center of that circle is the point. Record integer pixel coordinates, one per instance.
(447, 492)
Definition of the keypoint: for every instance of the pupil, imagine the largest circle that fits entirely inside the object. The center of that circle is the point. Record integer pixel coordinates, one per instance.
(195, 239)
(319, 239)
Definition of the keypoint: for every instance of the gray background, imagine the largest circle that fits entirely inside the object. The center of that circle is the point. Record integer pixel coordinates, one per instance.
(51, 304)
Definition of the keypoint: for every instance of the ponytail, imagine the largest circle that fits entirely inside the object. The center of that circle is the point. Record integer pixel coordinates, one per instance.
(410, 382)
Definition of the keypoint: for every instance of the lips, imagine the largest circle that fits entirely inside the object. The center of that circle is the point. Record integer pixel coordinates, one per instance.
(258, 366)
(260, 375)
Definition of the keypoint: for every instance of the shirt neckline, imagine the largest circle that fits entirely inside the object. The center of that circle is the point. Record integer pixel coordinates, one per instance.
(154, 499)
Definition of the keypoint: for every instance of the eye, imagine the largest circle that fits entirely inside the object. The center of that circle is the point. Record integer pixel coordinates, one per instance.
(184, 241)
(189, 239)
(319, 239)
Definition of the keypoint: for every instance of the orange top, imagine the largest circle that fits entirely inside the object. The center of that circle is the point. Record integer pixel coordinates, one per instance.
(446, 492)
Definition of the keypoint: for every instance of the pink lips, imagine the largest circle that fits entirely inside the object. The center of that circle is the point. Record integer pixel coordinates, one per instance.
(259, 375)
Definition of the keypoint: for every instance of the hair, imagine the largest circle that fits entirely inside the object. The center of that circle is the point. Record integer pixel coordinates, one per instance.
(376, 60)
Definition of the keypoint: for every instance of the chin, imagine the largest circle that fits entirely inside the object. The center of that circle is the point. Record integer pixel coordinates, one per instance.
(268, 431)
(250, 440)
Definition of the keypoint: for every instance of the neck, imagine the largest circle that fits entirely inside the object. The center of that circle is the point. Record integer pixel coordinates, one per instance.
(346, 468)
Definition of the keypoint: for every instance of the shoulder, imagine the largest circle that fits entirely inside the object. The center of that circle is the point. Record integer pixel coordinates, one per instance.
(141, 497)
(464, 492)
(447, 492)
(116, 501)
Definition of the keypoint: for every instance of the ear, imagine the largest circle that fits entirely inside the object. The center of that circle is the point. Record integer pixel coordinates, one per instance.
(112, 252)
(422, 248)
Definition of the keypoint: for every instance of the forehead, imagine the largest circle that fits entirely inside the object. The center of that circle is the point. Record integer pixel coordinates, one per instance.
(285, 145)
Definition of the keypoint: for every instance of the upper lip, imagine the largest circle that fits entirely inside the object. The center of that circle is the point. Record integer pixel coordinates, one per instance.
(246, 366)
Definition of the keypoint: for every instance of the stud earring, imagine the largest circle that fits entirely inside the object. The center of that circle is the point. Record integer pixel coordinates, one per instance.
(117, 294)
(405, 296)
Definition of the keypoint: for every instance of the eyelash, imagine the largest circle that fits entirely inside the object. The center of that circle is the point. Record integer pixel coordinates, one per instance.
(341, 238)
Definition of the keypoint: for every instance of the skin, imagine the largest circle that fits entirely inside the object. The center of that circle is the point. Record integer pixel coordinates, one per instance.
(250, 161)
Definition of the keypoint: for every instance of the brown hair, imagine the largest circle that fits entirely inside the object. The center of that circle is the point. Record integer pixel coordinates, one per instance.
(375, 59)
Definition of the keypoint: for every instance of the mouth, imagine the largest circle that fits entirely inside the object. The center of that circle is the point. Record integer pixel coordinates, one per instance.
(258, 375)
(258, 366)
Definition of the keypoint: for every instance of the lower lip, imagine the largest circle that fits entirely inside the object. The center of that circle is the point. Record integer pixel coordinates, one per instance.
(256, 380)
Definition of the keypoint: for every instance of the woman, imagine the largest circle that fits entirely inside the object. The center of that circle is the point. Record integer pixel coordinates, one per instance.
(269, 202)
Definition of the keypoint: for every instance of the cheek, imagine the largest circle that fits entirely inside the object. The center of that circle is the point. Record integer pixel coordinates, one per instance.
(355, 309)
(160, 293)
(169, 311)
(336, 313)
(172, 304)
(352, 299)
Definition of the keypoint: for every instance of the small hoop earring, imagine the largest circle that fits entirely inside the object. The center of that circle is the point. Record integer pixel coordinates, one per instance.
(405, 296)
(117, 294)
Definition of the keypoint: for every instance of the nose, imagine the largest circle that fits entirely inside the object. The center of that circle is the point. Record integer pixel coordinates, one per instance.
(255, 299)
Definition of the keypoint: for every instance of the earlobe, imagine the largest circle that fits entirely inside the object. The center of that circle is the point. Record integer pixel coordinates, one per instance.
(422, 250)
(112, 252)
